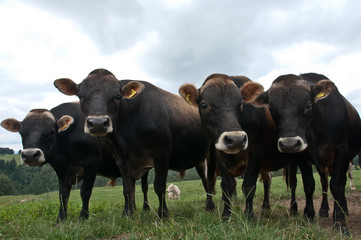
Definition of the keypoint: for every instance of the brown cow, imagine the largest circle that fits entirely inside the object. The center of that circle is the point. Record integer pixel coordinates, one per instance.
(313, 117)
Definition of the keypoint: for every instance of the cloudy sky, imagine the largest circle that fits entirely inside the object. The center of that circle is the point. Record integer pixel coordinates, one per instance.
(171, 42)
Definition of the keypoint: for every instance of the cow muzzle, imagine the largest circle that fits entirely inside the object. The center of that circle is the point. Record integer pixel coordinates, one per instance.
(98, 126)
(32, 156)
(291, 144)
(232, 142)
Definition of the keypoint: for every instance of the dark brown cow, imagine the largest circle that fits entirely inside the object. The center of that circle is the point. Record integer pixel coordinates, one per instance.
(145, 126)
(57, 137)
(313, 117)
(245, 136)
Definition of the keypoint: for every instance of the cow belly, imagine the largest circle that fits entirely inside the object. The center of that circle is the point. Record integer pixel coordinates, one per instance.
(139, 166)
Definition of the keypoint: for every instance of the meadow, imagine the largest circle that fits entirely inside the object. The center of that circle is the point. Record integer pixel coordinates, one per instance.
(34, 217)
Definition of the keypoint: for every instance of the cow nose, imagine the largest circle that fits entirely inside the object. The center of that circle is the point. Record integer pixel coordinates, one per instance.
(291, 145)
(98, 126)
(235, 141)
(232, 142)
(32, 156)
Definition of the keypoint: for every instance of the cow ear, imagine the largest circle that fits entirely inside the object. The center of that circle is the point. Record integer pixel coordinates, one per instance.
(189, 93)
(11, 124)
(64, 123)
(250, 91)
(66, 86)
(322, 89)
(132, 89)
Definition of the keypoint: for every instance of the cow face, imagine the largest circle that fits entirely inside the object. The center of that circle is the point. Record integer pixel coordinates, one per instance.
(290, 100)
(38, 134)
(220, 105)
(100, 95)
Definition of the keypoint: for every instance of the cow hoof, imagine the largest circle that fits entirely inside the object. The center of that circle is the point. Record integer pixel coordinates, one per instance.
(343, 229)
(323, 213)
(249, 215)
(309, 216)
(294, 209)
(210, 206)
(146, 207)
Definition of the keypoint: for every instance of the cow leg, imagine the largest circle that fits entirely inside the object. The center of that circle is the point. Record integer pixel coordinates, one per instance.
(337, 187)
(64, 193)
(309, 188)
(249, 184)
(160, 182)
(201, 170)
(144, 181)
(292, 181)
(324, 204)
(85, 193)
(128, 192)
(228, 185)
(267, 180)
(211, 178)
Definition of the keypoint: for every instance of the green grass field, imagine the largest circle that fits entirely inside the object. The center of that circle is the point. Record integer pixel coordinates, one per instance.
(8, 157)
(36, 218)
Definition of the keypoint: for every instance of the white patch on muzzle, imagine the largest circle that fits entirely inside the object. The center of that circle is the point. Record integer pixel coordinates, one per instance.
(300, 147)
(28, 151)
(221, 144)
(109, 129)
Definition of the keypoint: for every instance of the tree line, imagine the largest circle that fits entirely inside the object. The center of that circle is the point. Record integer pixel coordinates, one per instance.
(6, 151)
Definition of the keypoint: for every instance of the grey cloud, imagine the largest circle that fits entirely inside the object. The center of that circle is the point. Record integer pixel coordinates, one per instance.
(113, 25)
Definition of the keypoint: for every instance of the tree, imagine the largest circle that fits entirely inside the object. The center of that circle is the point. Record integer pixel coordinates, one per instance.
(6, 186)
(10, 166)
(6, 151)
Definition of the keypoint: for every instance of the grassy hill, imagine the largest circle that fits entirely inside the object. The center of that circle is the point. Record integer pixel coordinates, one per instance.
(35, 217)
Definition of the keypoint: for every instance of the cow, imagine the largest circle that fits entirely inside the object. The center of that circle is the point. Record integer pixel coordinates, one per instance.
(56, 137)
(173, 192)
(146, 127)
(244, 136)
(313, 117)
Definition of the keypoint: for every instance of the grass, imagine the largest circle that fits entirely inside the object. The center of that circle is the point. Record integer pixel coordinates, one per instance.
(36, 218)
(8, 157)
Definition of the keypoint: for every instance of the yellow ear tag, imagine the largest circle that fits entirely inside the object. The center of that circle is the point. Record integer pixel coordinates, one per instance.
(320, 95)
(133, 92)
(65, 126)
(188, 99)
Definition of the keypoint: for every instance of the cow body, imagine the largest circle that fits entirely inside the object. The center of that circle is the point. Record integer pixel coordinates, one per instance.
(245, 136)
(313, 117)
(49, 137)
(145, 126)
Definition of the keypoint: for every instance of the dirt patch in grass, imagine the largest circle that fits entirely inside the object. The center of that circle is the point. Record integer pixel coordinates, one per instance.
(354, 207)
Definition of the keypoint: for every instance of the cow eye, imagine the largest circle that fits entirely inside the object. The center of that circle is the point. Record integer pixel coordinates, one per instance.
(308, 107)
(118, 97)
(78, 95)
(203, 106)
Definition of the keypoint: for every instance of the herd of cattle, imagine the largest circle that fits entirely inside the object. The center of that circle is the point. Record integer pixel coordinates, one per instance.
(229, 127)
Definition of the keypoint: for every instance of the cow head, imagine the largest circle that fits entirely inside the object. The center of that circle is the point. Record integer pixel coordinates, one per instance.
(100, 94)
(290, 100)
(38, 134)
(220, 104)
